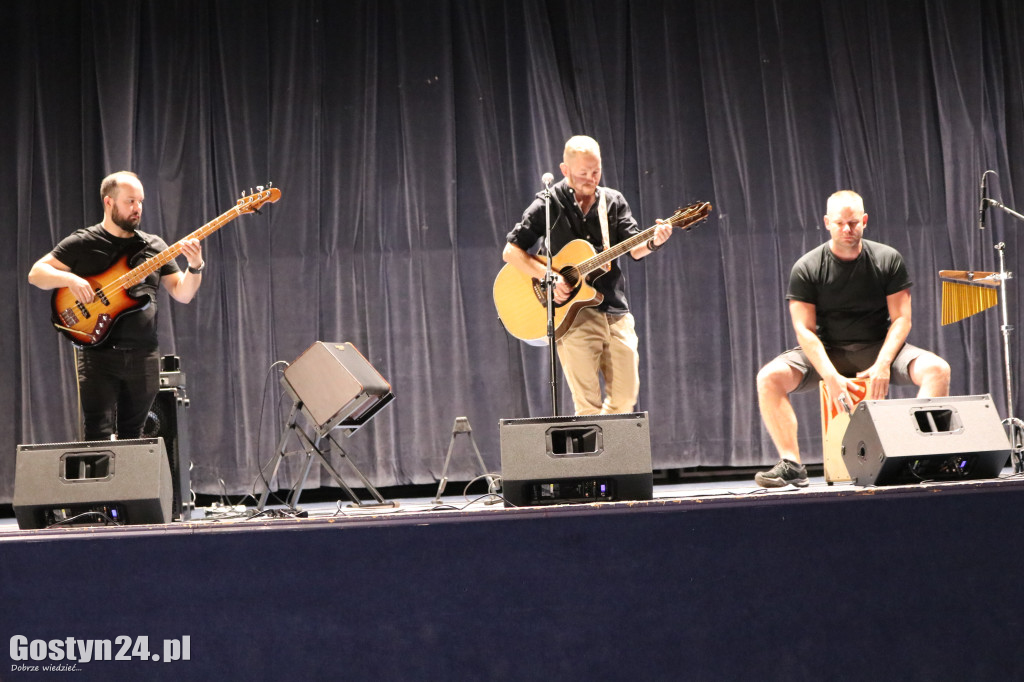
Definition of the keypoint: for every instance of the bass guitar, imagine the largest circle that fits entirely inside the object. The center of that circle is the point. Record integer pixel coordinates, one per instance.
(521, 300)
(88, 324)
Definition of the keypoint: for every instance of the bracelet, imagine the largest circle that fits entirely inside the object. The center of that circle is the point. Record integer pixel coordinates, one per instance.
(651, 246)
(196, 271)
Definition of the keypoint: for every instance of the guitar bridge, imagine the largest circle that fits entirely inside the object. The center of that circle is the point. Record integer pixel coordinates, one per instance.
(68, 317)
(538, 291)
(541, 293)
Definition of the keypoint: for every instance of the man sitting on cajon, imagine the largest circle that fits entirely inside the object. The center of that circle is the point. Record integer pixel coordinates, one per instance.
(849, 300)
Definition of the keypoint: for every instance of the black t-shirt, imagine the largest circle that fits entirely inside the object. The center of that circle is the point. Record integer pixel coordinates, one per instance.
(569, 223)
(92, 251)
(849, 296)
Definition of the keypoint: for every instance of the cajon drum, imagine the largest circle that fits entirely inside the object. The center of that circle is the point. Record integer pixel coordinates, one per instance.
(834, 421)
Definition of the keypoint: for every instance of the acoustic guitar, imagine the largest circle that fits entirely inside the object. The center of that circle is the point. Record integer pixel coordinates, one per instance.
(521, 300)
(88, 324)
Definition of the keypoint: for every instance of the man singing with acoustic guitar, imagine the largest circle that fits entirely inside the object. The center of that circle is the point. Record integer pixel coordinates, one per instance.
(119, 375)
(601, 339)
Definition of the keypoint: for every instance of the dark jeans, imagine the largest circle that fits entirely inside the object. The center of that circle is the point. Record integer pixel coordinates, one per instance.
(117, 388)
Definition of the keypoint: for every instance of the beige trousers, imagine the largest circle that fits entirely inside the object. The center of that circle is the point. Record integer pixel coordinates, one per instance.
(599, 344)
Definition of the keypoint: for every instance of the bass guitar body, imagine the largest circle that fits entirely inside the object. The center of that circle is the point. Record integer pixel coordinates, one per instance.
(89, 325)
(521, 301)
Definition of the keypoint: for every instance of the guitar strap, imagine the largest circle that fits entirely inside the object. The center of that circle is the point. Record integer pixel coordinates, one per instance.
(602, 214)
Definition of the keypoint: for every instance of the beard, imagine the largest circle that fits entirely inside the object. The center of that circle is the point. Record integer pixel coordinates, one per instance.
(126, 223)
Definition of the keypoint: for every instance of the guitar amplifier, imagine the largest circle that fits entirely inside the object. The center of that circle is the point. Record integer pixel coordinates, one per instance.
(337, 386)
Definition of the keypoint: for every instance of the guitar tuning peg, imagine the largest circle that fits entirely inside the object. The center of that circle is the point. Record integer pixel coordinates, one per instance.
(259, 188)
(269, 184)
(243, 193)
(250, 190)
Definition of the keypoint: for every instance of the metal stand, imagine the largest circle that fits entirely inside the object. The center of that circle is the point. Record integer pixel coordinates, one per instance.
(311, 447)
(549, 287)
(462, 426)
(78, 393)
(1014, 426)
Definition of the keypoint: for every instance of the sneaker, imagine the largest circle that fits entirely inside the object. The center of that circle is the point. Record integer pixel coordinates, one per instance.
(782, 474)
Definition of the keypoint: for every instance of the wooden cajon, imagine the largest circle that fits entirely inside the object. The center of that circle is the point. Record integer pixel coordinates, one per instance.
(833, 427)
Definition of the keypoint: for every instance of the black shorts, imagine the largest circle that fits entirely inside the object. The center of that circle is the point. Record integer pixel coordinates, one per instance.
(850, 358)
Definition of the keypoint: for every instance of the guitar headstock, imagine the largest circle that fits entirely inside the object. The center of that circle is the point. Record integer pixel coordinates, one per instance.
(691, 216)
(250, 203)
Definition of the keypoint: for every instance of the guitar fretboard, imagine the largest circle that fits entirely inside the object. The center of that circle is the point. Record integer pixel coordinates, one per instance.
(148, 267)
(684, 220)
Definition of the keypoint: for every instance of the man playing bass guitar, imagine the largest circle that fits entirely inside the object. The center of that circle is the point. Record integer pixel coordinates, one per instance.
(119, 377)
(601, 339)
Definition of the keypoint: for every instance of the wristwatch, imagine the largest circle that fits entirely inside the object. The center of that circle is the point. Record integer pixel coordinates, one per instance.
(196, 271)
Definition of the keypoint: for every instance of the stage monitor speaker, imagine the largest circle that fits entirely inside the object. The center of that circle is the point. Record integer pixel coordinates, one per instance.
(93, 483)
(560, 460)
(916, 440)
(337, 386)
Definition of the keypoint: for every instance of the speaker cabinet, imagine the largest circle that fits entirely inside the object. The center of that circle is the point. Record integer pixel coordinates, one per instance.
(559, 460)
(168, 419)
(336, 386)
(92, 483)
(916, 440)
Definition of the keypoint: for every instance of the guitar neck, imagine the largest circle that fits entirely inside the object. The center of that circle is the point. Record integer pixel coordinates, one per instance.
(148, 267)
(613, 252)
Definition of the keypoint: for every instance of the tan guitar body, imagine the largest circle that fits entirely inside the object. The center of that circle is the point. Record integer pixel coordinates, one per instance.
(522, 302)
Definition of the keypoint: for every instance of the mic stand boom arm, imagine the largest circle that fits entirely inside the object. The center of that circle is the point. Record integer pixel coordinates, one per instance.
(1003, 207)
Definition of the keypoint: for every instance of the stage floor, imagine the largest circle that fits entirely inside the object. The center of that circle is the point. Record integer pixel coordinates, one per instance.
(703, 491)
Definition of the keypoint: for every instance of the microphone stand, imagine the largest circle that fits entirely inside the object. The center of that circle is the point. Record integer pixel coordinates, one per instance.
(1014, 426)
(549, 288)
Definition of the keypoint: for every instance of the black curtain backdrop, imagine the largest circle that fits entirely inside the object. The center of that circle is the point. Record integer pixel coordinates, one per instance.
(407, 136)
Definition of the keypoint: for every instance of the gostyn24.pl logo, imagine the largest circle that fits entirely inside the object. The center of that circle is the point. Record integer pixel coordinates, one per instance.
(67, 653)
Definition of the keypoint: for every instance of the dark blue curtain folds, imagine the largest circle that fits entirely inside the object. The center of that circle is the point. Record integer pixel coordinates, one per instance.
(408, 136)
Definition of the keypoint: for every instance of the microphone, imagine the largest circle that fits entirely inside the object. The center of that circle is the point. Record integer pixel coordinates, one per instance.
(983, 198)
(547, 179)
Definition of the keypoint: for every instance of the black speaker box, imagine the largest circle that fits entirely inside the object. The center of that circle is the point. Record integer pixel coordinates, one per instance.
(168, 419)
(337, 386)
(559, 460)
(915, 440)
(92, 483)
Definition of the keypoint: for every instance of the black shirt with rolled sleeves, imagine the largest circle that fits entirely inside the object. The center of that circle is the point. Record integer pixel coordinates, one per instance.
(849, 296)
(569, 223)
(92, 251)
